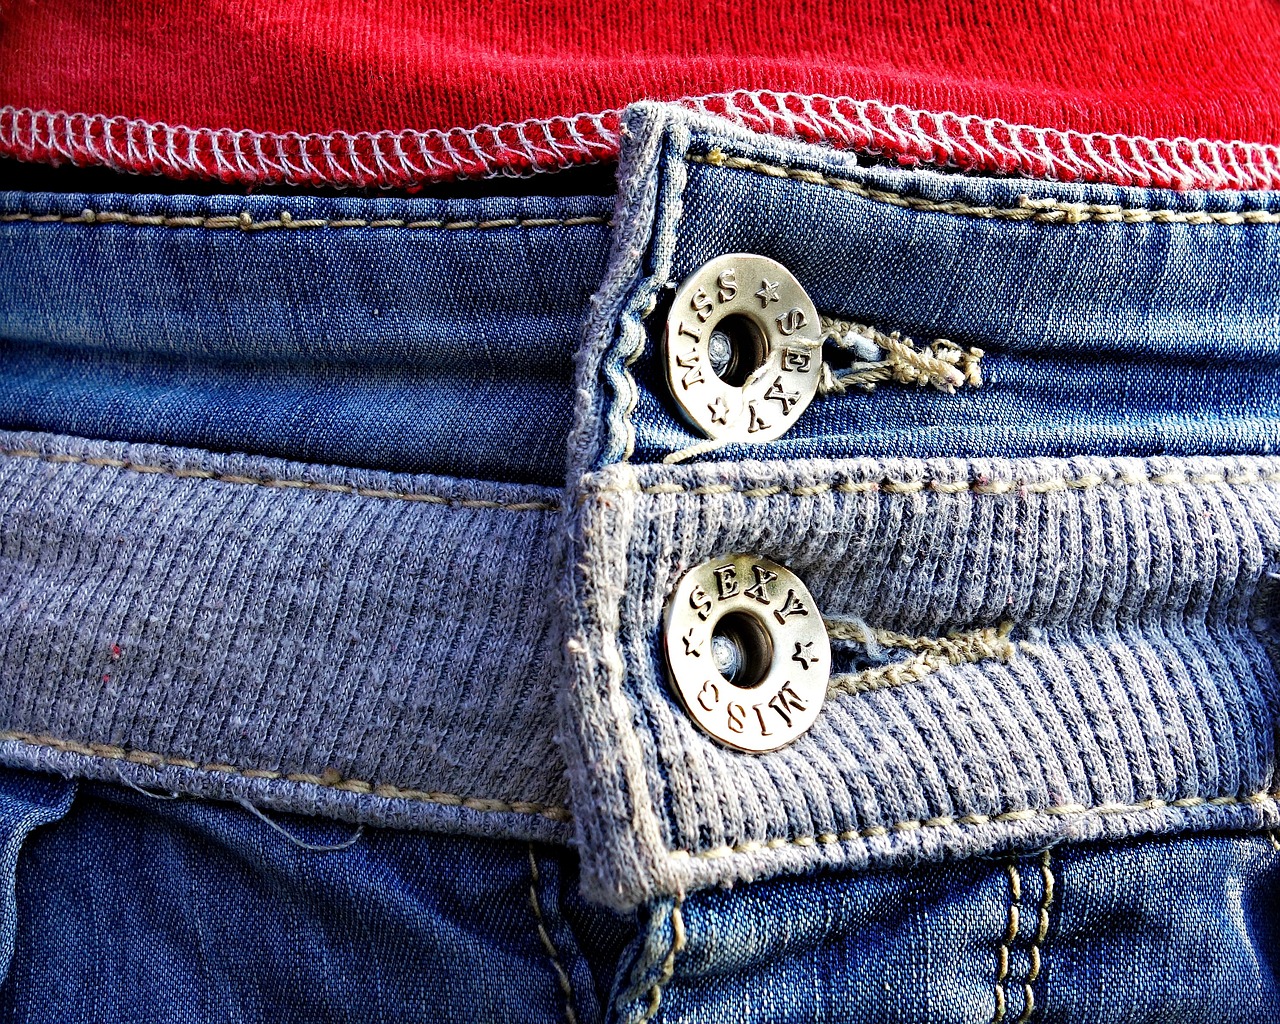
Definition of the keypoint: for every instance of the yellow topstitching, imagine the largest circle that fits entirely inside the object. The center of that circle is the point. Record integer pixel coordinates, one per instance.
(668, 963)
(1040, 211)
(280, 484)
(330, 779)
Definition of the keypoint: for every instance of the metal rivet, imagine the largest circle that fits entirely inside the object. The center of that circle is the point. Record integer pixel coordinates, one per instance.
(743, 349)
(747, 653)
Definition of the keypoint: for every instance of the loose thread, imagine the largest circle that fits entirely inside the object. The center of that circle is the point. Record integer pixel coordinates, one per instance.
(301, 843)
(944, 365)
(150, 794)
(935, 654)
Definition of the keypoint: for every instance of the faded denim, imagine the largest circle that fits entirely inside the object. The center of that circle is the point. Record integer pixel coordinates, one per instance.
(374, 333)
(117, 906)
(1142, 696)
(1104, 335)
(442, 622)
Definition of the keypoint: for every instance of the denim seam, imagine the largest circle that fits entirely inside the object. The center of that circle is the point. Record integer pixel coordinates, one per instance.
(1038, 211)
(668, 962)
(244, 221)
(281, 483)
(1037, 940)
(664, 242)
(1007, 939)
(1082, 483)
(949, 821)
(544, 936)
(330, 779)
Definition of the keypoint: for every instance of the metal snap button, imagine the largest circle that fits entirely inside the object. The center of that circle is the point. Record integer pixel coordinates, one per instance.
(747, 653)
(743, 349)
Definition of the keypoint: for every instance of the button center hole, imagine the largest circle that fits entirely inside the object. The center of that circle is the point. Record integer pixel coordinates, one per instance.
(736, 349)
(741, 649)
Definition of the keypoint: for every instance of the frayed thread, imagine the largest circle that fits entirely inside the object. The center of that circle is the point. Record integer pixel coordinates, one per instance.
(881, 358)
(931, 654)
(301, 844)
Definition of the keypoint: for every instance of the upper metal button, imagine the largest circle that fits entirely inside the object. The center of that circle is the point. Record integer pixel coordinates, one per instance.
(747, 652)
(743, 348)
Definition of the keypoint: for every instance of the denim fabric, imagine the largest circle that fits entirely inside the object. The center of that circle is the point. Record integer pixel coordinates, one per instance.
(135, 908)
(1168, 931)
(371, 645)
(119, 906)
(357, 340)
(282, 522)
(1136, 337)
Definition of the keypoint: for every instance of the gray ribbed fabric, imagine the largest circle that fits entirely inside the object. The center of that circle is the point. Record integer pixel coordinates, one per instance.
(1139, 697)
(216, 628)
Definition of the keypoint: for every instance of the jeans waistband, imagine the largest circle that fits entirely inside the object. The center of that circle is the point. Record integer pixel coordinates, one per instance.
(428, 591)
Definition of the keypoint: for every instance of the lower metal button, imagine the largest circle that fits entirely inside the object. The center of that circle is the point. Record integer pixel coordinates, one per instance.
(747, 652)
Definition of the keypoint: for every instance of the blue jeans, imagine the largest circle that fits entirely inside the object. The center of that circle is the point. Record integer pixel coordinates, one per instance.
(335, 538)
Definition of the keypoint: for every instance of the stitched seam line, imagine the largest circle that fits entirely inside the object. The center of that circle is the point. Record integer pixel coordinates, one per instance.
(244, 221)
(331, 779)
(1084, 483)
(281, 484)
(907, 135)
(950, 821)
(669, 962)
(1037, 941)
(549, 947)
(855, 631)
(1037, 211)
(1007, 940)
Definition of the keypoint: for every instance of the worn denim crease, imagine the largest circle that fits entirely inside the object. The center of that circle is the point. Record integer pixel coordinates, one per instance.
(1173, 927)
(349, 330)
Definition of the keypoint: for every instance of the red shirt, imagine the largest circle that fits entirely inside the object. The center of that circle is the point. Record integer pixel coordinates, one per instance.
(1152, 92)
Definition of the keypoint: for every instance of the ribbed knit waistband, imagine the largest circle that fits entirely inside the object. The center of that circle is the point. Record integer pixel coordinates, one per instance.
(352, 643)
(386, 648)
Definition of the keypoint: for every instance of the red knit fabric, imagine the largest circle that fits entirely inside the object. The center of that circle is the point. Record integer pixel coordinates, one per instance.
(222, 88)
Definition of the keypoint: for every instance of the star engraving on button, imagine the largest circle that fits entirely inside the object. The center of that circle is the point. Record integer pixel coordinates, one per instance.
(719, 410)
(768, 292)
(691, 645)
(805, 659)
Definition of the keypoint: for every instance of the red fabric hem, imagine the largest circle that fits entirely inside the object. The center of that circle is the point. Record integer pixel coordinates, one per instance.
(400, 159)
